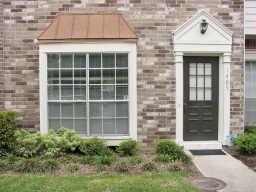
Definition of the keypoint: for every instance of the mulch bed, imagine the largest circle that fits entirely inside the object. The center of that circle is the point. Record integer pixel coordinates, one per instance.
(249, 160)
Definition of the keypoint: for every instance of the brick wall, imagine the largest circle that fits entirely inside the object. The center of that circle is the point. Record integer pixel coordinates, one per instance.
(153, 23)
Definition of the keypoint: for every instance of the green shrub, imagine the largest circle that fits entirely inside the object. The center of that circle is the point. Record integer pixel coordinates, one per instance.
(169, 151)
(7, 130)
(121, 166)
(250, 129)
(27, 144)
(246, 143)
(149, 166)
(4, 165)
(175, 166)
(127, 148)
(36, 165)
(100, 160)
(69, 141)
(94, 147)
(49, 145)
(134, 160)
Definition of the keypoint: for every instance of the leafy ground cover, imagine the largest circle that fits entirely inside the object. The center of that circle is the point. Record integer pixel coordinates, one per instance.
(146, 182)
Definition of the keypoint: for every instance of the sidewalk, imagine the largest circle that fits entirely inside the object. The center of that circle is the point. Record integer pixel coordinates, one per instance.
(237, 176)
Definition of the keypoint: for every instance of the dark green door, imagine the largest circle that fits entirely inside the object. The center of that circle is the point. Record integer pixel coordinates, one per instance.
(201, 85)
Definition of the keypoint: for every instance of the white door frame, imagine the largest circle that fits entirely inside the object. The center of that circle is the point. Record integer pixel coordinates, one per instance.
(189, 42)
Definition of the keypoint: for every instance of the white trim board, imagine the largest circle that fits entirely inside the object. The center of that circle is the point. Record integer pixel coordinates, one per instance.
(217, 41)
(129, 48)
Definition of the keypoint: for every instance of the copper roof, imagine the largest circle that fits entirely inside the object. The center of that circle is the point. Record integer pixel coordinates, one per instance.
(71, 26)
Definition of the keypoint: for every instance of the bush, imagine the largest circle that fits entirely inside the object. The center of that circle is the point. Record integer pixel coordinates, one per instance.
(169, 151)
(7, 130)
(121, 166)
(250, 129)
(49, 145)
(35, 165)
(127, 148)
(246, 143)
(4, 165)
(69, 141)
(134, 160)
(149, 166)
(103, 160)
(94, 147)
(73, 167)
(175, 166)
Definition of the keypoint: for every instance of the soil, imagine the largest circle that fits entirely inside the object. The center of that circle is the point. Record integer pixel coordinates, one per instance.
(249, 160)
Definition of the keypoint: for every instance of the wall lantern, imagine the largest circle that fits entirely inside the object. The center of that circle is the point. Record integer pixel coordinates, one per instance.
(203, 26)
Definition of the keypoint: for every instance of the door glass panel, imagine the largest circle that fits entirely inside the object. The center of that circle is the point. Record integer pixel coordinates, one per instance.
(208, 69)
(200, 69)
(200, 81)
(200, 94)
(208, 94)
(192, 94)
(192, 69)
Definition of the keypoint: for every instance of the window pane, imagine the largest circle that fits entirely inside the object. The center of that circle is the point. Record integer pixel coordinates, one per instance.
(192, 69)
(66, 77)
(208, 81)
(95, 76)
(108, 76)
(192, 94)
(121, 60)
(67, 92)
(79, 92)
(109, 126)
(200, 81)
(122, 76)
(208, 94)
(108, 60)
(66, 61)
(95, 92)
(200, 94)
(108, 92)
(95, 60)
(53, 110)
(80, 126)
(96, 127)
(109, 109)
(122, 109)
(122, 126)
(53, 76)
(208, 69)
(192, 81)
(53, 92)
(53, 61)
(67, 110)
(54, 124)
(79, 110)
(79, 76)
(67, 123)
(200, 69)
(79, 61)
(96, 110)
(122, 92)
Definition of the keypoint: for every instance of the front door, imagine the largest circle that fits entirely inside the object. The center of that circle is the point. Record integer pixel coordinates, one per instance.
(201, 85)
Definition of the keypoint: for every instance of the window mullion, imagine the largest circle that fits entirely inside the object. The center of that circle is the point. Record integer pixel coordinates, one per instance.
(115, 97)
(101, 80)
(87, 95)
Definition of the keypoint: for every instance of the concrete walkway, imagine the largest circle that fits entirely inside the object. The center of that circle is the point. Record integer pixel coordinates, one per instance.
(237, 176)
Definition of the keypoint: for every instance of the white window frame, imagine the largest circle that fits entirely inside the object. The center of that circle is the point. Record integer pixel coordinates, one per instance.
(129, 48)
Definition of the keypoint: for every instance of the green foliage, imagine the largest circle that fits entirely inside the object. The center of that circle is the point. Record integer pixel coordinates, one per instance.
(175, 166)
(246, 143)
(149, 166)
(250, 129)
(127, 148)
(134, 160)
(49, 145)
(121, 166)
(169, 151)
(73, 167)
(94, 147)
(100, 160)
(7, 130)
(36, 165)
(4, 165)
(69, 141)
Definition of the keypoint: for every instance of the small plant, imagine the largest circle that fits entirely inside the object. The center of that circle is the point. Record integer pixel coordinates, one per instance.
(69, 141)
(169, 151)
(149, 166)
(94, 147)
(246, 143)
(121, 166)
(103, 160)
(134, 160)
(175, 166)
(49, 145)
(4, 165)
(127, 148)
(7, 131)
(250, 129)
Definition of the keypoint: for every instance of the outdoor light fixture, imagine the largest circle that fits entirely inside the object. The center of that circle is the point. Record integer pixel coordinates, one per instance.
(204, 26)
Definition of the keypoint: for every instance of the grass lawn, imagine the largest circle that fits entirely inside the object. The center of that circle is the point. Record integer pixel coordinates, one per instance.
(147, 182)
